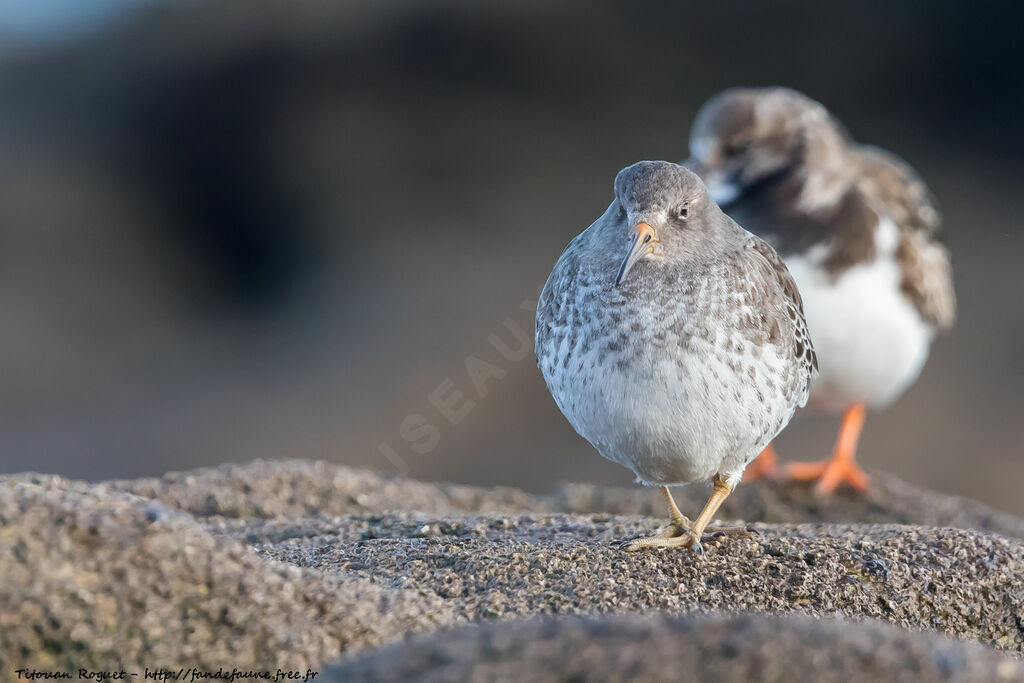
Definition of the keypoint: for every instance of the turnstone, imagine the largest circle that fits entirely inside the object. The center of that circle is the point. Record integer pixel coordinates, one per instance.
(861, 235)
(673, 340)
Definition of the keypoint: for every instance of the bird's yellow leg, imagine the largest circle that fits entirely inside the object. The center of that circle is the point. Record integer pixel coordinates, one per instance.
(842, 466)
(678, 518)
(679, 523)
(692, 536)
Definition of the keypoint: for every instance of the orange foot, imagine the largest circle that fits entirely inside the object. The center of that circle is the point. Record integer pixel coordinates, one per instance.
(829, 473)
(764, 466)
(842, 467)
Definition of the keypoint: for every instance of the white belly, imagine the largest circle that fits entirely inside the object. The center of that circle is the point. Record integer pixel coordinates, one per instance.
(675, 421)
(871, 342)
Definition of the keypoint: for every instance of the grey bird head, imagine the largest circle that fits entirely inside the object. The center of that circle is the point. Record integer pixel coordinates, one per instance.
(665, 209)
(745, 135)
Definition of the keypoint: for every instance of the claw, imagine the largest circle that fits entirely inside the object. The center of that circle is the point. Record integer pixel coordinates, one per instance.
(716, 534)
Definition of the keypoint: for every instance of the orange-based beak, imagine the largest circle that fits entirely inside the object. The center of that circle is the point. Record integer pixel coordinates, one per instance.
(643, 240)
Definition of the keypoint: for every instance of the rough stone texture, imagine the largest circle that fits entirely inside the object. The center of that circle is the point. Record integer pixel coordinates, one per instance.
(889, 501)
(297, 488)
(495, 566)
(738, 648)
(298, 563)
(103, 579)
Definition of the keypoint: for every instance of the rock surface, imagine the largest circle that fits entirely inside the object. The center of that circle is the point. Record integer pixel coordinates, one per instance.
(95, 578)
(739, 648)
(498, 566)
(297, 488)
(297, 563)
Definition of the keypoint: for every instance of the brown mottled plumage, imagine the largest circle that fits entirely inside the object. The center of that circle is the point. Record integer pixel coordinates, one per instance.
(922, 254)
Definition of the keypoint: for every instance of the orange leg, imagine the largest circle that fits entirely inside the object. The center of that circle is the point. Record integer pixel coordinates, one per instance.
(764, 466)
(842, 467)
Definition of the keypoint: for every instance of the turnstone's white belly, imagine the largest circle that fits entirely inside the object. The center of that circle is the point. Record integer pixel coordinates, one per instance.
(870, 340)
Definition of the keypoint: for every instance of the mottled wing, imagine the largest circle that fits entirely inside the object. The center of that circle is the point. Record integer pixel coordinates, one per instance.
(924, 261)
(561, 280)
(779, 284)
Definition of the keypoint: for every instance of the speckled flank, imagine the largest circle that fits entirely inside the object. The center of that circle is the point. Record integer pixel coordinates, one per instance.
(697, 360)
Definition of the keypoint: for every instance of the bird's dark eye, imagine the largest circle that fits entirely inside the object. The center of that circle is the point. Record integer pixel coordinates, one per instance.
(684, 210)
(735, 149)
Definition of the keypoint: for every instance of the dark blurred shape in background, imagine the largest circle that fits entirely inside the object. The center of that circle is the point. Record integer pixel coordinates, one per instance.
(308, 229)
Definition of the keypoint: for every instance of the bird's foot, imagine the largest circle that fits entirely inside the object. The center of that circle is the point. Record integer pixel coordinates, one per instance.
(829, 474)
(674, 529)
(673, 536)
(842, 466)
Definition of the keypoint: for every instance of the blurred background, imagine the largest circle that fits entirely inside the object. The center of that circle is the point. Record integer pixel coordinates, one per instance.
(303, 228)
